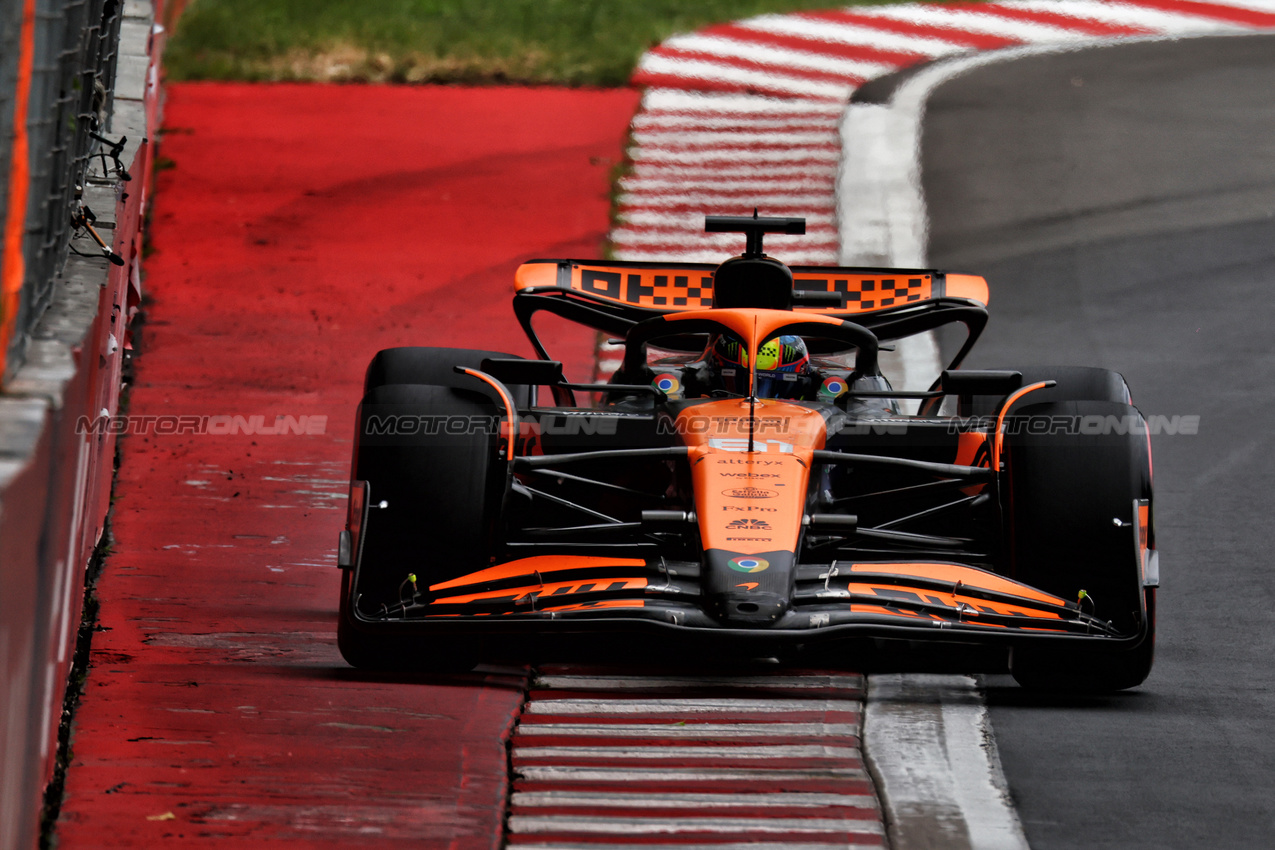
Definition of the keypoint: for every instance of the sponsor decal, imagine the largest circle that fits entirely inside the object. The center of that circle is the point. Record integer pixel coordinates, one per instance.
(647, 287)
(832, 388)
(748, 585)
(748, 565)
(749, 474)
(750, 508)
(668, 384)
(755, 524)
(750, 493)
(751, 539)
(750, 462)
(732, 444)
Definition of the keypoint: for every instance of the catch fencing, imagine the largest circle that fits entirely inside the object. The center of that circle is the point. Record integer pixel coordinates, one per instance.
(57, 65)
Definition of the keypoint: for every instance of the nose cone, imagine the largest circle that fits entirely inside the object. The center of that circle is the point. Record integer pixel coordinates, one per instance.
(748, 591)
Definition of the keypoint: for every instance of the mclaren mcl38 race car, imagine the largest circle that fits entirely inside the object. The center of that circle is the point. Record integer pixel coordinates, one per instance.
(748, 483)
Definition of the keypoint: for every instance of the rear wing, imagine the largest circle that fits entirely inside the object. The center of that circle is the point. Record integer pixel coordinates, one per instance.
(675, 287)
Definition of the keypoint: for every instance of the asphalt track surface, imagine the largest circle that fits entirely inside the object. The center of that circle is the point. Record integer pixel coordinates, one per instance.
(301, 229)
(1121, 202)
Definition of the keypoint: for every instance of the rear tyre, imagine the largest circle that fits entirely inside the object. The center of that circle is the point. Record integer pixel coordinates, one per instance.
(1064, 493)
(428, 452)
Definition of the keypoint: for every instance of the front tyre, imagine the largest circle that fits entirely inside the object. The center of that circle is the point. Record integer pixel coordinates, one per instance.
(1071, 502)
(428, 454)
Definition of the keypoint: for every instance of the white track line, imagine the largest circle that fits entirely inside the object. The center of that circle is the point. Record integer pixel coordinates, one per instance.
(715, 731)
(726, 751)
(961, 20)
(670, 100)
(929, 743)
(656, 800)
(582, 681)
(738, 138)
(781, 58)
(852, 34)
(1154, 20)
(760, 845)
(729, 779)
(721, 826)
(696, 69)
(589, 775)
(693, 705)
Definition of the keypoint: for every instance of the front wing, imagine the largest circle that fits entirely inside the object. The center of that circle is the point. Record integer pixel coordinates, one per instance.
(917, 600)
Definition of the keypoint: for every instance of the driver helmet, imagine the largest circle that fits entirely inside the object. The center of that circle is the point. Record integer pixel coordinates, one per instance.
(783, 366)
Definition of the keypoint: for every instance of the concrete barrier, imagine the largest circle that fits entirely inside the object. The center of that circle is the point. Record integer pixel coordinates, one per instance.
(55, 479)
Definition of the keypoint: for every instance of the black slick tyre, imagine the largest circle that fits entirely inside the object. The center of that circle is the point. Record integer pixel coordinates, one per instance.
(1070, 510)
(429, 454)
(436, 366)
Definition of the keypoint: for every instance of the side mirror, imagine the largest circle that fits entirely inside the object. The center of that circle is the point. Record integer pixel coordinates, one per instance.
(536, 373)
(967, 383)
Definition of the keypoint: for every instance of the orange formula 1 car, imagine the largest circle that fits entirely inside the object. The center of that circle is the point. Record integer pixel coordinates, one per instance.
(748, 483)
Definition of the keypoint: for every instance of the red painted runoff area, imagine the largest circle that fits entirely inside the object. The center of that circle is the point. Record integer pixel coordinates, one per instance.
(300, 229)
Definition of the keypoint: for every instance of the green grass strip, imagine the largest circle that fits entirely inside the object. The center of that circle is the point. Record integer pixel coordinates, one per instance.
(565, 42)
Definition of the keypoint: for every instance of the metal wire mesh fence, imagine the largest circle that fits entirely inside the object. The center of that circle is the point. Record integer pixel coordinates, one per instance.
(71, 45)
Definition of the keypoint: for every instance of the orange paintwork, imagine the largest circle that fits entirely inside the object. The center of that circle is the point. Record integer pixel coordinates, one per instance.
(662, 289)
(536, 276)
(998, 436)
(18, 179)
(903, 613)
(970, 444)
(752, 325)
(967, 286)
(974, 605)
(865, 292)
(967, 448)
(546, 590)
(510, 408)
(750, 501)
(1145, 541)
(541, 564)
(690, 287)
(960, 573)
